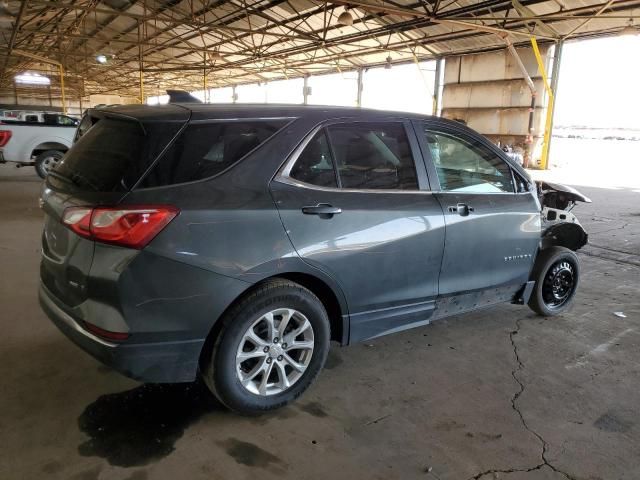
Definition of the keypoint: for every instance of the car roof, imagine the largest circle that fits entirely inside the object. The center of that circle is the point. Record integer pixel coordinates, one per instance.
(202, 111)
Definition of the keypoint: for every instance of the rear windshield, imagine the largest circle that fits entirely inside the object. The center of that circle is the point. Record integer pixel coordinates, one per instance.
(113, 154)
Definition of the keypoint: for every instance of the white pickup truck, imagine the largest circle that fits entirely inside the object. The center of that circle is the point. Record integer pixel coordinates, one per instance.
(41, 143)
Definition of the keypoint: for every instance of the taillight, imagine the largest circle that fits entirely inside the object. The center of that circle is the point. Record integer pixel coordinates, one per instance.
(106, 334)
(132, 227)
(5, 136)
(78, 219)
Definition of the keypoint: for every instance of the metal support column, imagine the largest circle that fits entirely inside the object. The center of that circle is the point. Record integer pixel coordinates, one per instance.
(555, 74)
(437, 96)
(544, 160)
(64, 103)
(141, 64)
(528, 151)
(360, 86)
(305, 90)
(204, 84)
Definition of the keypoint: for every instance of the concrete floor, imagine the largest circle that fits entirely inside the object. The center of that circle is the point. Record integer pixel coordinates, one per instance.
(496, 394)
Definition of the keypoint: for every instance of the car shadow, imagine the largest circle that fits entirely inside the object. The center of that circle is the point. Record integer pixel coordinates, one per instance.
(141, 425)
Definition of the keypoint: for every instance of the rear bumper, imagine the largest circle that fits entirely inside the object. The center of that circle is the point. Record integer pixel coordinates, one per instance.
(18, 162)
(161, 362)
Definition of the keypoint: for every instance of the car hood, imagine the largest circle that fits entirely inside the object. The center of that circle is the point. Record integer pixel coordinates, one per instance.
(568, 192)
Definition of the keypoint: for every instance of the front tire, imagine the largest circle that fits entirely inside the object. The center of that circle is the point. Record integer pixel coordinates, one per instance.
(556, 273)
(47, 161)
(272, 345)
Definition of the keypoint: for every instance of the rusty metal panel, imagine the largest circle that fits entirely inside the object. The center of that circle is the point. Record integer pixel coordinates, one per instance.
(489, 93)
(490, 66)
(502, 94)
(493, 121)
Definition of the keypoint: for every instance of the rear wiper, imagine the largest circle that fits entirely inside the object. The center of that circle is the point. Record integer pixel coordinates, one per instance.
(75, 179)
(82, 181)
(62, 177)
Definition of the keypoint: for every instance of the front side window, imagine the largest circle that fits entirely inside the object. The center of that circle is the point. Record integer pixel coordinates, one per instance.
(64, 120)
(466, 165)
(373, 156)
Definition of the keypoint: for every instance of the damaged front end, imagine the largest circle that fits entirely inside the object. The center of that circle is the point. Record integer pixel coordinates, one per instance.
(559, 226)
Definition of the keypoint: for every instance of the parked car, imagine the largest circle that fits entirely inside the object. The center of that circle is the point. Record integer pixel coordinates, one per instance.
(40, 140)
(51, 118)
(235, 242)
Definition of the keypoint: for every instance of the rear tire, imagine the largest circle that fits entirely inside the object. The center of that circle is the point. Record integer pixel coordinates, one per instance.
(271, 346)
(557, 274)
(46, 161)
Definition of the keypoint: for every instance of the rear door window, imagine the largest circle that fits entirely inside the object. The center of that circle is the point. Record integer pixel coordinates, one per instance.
(373, 156)
(315, 164)
(207, 149)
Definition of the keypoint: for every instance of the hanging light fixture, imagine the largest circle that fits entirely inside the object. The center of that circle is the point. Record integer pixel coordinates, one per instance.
(387, 65)
(630, 29)
(345, 18)
(215, 55)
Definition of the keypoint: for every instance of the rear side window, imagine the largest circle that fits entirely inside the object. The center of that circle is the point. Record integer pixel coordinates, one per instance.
(85, 124)
(204, 150)
(113, 154)
(373, 156)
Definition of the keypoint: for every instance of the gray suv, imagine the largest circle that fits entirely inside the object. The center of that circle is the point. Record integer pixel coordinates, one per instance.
(233, 243)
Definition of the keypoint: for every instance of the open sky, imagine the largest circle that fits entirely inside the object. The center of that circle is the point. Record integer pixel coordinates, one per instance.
(599, 83)
(599, 86)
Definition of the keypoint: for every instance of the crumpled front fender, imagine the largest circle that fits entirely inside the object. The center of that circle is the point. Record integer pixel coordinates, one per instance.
(561, 228)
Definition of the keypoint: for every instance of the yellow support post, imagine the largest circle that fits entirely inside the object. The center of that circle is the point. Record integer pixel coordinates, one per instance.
(204, 84)
(141, 87)
(547, 127)
(64, 103)
(141, 64)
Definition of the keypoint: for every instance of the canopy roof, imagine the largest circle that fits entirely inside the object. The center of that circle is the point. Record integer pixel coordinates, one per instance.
(177, 43)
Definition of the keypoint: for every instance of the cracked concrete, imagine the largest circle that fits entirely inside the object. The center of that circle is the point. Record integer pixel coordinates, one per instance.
(500, 393)
(514, 405)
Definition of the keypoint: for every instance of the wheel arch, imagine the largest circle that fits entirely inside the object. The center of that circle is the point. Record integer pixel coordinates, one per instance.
(331, 297)
(44, 146)
(568, 235)
(335, 311)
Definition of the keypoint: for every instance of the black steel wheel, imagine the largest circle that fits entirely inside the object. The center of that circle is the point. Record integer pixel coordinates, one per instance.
(556, 273)
(47, 161)
(558, 284)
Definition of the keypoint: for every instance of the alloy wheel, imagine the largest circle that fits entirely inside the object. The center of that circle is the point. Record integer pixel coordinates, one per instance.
(274, 352)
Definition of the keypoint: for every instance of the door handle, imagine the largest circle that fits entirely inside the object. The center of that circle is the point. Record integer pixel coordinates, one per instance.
(323, 210)
(462, 209)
